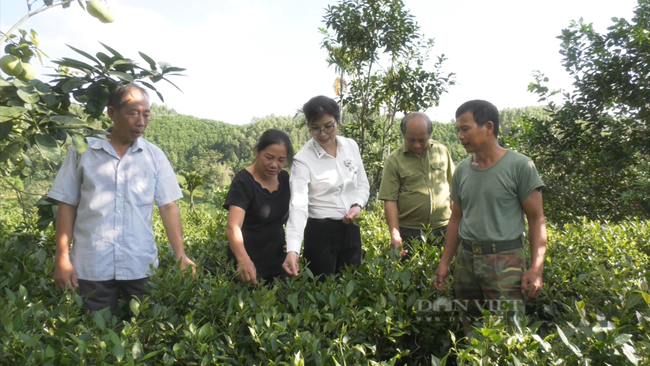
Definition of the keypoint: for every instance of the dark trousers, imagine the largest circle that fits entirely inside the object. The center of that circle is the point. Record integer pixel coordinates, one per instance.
(107, 293)
(330, 245)
(411, 235)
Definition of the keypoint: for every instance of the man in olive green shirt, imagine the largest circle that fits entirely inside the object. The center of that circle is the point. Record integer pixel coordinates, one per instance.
(415, 184)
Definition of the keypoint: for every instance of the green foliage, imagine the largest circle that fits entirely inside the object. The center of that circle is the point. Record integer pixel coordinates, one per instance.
(592, 310)
(215, 149)
(593, 150)
(192, 181)
(379, 47)
(38, 116)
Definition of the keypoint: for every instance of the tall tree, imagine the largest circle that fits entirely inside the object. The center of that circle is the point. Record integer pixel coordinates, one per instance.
(192, 182)
(594, 149)
(378, 45)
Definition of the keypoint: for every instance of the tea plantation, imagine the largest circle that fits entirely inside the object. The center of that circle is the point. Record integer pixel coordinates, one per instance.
(594, 310)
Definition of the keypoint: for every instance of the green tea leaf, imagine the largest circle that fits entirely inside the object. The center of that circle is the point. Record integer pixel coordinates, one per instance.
(99, 320)
(134, 304)
(119, 351)
(630, 353)
(349, 288)
(114, 337)
(136, 350)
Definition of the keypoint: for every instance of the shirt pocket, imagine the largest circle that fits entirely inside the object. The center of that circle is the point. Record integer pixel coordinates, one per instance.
(142, 189)
(410, 180)
(438, 172)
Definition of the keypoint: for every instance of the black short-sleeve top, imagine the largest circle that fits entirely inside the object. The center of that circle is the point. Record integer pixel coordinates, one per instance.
(266, 213)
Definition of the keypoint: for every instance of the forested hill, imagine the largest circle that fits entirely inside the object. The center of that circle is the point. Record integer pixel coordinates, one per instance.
(214, 148)
(219, 149)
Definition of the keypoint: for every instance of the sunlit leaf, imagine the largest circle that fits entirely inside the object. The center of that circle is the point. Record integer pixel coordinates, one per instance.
(115, 53)
(68, 120)
(85, 54)
(150, 61)
(80, 144)
(7, 113)
(122, 76)
(49, 147)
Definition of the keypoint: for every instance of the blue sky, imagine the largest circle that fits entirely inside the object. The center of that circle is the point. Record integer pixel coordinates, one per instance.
(248, 58)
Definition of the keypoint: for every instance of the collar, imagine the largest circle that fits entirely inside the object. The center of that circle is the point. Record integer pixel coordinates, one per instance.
(320, 152)
(97, 143)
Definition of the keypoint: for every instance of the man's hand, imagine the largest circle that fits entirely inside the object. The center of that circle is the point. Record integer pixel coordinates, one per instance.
(532, 279)
(65, 277)
(395, 242)
(355, 212)
(185, 261)
(247, 272)
(442, 275)
(290, 264)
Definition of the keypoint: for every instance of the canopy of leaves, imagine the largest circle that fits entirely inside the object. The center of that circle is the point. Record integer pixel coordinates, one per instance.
(594, 150)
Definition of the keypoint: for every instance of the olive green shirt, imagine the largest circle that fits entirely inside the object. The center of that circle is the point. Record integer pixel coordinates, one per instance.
(419, 185)
(491, 198)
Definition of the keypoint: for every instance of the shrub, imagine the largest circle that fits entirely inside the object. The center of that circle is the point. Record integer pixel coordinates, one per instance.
(594, 308)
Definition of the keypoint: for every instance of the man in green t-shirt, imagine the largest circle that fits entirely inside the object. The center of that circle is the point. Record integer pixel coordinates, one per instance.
(415, 184)
(491, 192)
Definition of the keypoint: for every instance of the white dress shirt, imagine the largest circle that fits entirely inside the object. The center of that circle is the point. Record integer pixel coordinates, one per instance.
(323, 186)
(113, 234)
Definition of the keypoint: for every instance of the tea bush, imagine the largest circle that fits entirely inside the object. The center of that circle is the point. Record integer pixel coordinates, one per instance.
(594, 308)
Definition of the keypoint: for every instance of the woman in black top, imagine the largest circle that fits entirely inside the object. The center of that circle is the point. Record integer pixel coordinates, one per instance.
(258, 205)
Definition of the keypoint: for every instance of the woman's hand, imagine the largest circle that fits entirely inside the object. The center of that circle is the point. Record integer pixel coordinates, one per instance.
(247, 272)
(290, 264)
(355, 212)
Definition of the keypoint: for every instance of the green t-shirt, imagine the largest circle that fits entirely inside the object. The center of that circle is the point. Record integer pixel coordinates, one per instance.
(419, 185)
(491, 198)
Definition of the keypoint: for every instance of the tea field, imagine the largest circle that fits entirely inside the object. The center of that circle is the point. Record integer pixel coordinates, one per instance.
(594, 309)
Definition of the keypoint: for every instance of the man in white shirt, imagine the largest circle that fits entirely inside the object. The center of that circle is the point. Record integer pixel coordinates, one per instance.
(106, 197)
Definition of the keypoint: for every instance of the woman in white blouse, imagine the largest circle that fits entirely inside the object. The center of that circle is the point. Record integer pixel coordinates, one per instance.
(328, 189)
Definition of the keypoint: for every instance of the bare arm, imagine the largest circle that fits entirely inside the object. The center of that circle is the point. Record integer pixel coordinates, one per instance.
(537, 237)
(65, 276)
(171, 218)
(451, 246)
(392, 219)
(246, 267)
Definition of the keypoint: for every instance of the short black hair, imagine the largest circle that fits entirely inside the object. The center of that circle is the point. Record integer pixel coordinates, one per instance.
(483, 111)
(116, 99)
(319, 106)
(272, 137)
(408, 116)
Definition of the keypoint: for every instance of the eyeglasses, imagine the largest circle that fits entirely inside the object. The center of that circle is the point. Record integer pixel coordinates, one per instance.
(327, 129)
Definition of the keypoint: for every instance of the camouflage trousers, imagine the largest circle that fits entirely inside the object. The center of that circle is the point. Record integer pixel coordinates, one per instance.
(489, 282)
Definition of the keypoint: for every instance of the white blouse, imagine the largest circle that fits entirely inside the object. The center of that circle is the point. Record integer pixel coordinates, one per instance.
(323, 186)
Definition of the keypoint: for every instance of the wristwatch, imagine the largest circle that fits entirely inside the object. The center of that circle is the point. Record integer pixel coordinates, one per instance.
(355, 204)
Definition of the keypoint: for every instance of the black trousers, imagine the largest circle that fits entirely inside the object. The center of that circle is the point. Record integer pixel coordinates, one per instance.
(331, 245)
(107, 293)
(410, 235)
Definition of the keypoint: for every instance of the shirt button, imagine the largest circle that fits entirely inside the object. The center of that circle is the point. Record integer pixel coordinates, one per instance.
(118, 211)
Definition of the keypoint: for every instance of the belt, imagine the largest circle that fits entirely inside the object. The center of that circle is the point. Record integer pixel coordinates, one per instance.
(491, 248)
(324, 220)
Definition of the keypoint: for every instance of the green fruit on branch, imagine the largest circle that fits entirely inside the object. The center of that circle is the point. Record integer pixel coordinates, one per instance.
(28, 73)
(11, 65)
(108, 16)
(99, 10)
